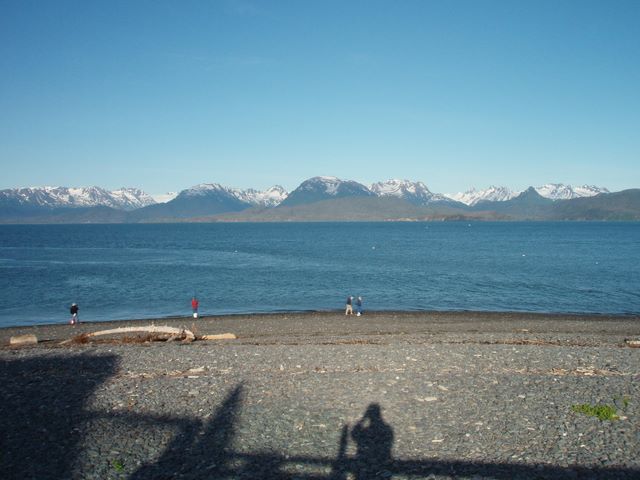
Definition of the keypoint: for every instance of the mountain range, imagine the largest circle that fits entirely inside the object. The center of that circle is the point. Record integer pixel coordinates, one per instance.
(61, 197)
(316, 199)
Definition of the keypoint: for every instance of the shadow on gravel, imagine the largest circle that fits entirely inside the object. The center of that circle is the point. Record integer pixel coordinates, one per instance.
(205, 452)
(374, 439)
(43, 413)
(42, 404)
(198, 452)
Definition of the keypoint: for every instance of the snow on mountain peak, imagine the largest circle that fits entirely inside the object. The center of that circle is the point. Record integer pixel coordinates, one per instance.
(491, 194)
(203, 189)
(55, 197)
(268, 198)
(589, 190)
(413, 192)
(329, 184)
(164, 197)
(399, 188)
(317, 189)
(313, 189)
(560, 191)
(555, 191)
(132, 198)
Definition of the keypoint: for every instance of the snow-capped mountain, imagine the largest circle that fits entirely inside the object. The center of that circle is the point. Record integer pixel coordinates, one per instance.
(590, 190)
(198, 201)
(164, 197)
(553, 191)
(416, 193)
(559, 191)
(333, 186)
(324, 188)
(491, 194)
(130, 199)
(208, 200)
(205, 189)
(269, 198)
(60, 197)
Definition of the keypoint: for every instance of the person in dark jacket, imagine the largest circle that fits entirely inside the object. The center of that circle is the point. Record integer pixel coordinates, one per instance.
(74, 314)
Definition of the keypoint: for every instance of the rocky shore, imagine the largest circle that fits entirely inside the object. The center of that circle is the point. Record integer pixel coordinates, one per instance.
(323, 396)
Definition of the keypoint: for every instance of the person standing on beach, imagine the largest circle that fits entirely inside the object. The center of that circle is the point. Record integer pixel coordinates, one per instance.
(359, 306)
(194, 306)
(349, 309)
(74, 314)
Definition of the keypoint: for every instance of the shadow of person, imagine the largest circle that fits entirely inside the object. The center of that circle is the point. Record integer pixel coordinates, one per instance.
(374, 439)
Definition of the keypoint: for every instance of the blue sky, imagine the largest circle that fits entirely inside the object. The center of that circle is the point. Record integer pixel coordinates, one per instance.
(163, 95)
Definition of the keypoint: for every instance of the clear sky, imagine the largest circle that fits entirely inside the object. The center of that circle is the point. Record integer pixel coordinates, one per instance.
(163, 95)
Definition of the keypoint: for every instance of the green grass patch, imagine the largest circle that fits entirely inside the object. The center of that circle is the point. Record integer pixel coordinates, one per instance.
(603, 412)
(117, 465)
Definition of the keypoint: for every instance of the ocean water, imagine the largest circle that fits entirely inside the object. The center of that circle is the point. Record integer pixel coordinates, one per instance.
(144, 271)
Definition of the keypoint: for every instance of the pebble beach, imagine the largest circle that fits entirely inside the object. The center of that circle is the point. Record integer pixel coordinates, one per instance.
(325, 396)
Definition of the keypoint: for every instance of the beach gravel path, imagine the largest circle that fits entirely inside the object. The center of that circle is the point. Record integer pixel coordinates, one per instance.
(321, 396)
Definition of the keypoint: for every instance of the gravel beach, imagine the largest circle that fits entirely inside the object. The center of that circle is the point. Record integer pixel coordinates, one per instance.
(323, 396)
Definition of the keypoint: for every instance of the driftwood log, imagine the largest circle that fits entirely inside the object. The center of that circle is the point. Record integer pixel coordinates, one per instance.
(219, 336)
(28, 339)
(177, 332)
(183, 333)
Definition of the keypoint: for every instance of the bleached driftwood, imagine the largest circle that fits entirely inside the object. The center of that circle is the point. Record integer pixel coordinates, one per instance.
(219, 336)
(28, 339)
(187, 335)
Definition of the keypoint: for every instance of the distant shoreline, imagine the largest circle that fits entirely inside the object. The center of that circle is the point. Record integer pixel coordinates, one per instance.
(369, 313)
(225, 221)
(335, 323)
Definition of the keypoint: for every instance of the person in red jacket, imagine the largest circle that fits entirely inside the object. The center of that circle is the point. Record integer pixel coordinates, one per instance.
(194, 306)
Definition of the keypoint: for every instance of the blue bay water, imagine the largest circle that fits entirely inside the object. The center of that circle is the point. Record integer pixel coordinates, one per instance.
(145, 271)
